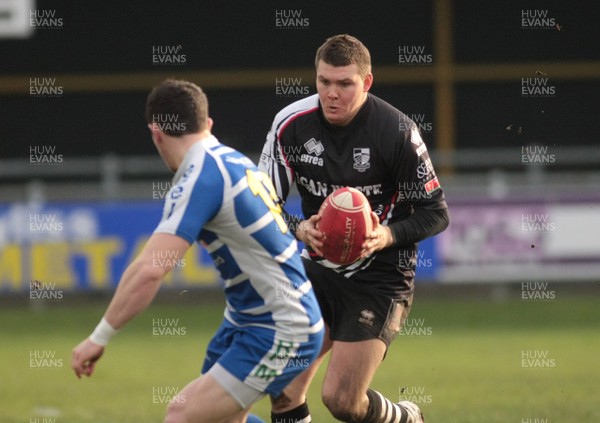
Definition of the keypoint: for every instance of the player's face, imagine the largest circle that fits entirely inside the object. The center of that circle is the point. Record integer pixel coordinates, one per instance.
(342, 91)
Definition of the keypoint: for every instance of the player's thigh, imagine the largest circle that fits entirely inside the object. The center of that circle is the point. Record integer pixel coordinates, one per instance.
(294, 394)
(203, 401)
(355, 310)
(300, 384)
(351, 368)
(240, 417)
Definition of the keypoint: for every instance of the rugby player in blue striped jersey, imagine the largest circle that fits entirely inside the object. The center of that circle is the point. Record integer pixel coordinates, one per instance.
(272, 328)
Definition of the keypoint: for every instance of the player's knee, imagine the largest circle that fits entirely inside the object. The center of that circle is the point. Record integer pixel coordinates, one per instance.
(342, 406)
(286, 401)
(279, 404)
(175, 414)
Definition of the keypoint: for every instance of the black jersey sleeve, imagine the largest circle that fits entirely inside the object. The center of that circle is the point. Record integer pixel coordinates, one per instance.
(422, 223)
(419, 193)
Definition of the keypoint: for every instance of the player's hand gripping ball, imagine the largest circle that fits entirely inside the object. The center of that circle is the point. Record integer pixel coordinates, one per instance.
(345, 221)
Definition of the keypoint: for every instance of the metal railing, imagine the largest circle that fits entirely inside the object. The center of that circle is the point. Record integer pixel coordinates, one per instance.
(495, 173)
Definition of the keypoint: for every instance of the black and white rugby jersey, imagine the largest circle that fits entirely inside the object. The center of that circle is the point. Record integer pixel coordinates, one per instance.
(381, 153)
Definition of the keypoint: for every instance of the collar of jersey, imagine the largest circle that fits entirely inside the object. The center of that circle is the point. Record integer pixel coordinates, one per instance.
(204, 143)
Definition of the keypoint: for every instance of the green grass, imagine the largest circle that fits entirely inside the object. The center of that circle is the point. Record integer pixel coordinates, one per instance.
(468, 369)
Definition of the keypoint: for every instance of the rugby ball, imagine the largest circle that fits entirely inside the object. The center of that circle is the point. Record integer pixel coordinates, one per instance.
(345, 221)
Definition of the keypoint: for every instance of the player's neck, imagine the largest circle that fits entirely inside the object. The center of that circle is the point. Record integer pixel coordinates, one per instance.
(179, 146)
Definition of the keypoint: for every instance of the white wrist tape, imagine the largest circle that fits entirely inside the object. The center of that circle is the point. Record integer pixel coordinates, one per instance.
(103, 332)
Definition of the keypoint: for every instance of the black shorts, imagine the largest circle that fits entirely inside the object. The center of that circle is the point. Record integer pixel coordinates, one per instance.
(355, 311)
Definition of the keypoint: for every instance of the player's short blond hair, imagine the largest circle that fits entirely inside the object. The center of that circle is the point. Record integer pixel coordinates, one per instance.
(344, 50)
(182, 101)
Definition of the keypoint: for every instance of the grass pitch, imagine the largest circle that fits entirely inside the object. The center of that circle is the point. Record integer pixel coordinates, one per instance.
(462, 361)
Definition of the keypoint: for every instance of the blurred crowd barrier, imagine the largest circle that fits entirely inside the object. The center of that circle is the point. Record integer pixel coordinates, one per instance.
(76, 225)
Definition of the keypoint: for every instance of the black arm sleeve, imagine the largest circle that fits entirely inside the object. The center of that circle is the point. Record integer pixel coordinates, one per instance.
(422, 224)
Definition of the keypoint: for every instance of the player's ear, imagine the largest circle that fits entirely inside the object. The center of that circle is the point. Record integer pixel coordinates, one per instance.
(154, 132)
(367, 82)
(209, 124)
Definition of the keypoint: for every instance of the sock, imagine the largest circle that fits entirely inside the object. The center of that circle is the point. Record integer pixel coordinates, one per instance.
(299, 414)
(382, 410)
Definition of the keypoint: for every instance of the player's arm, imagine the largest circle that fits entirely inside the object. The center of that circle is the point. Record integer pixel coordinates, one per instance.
(143, 277)
(136, 290)
(429, 210)
(421, 224)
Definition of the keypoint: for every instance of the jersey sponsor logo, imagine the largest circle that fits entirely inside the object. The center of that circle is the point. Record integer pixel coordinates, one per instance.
(265, 372)
(432, 185)
(187, 172)
(321, 189)
(273, 366)
(176, 192)
(422, 171)
(307, 158)
(314, 147)
(425, 169)
(367, 317)
(362, 157)
(422, 149)
(317, 188)
(367, 190)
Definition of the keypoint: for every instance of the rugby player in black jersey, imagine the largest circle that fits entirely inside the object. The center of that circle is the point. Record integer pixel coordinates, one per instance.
(345, 136)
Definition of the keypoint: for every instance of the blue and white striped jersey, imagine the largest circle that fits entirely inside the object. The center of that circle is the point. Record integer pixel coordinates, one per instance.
(220, 199)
